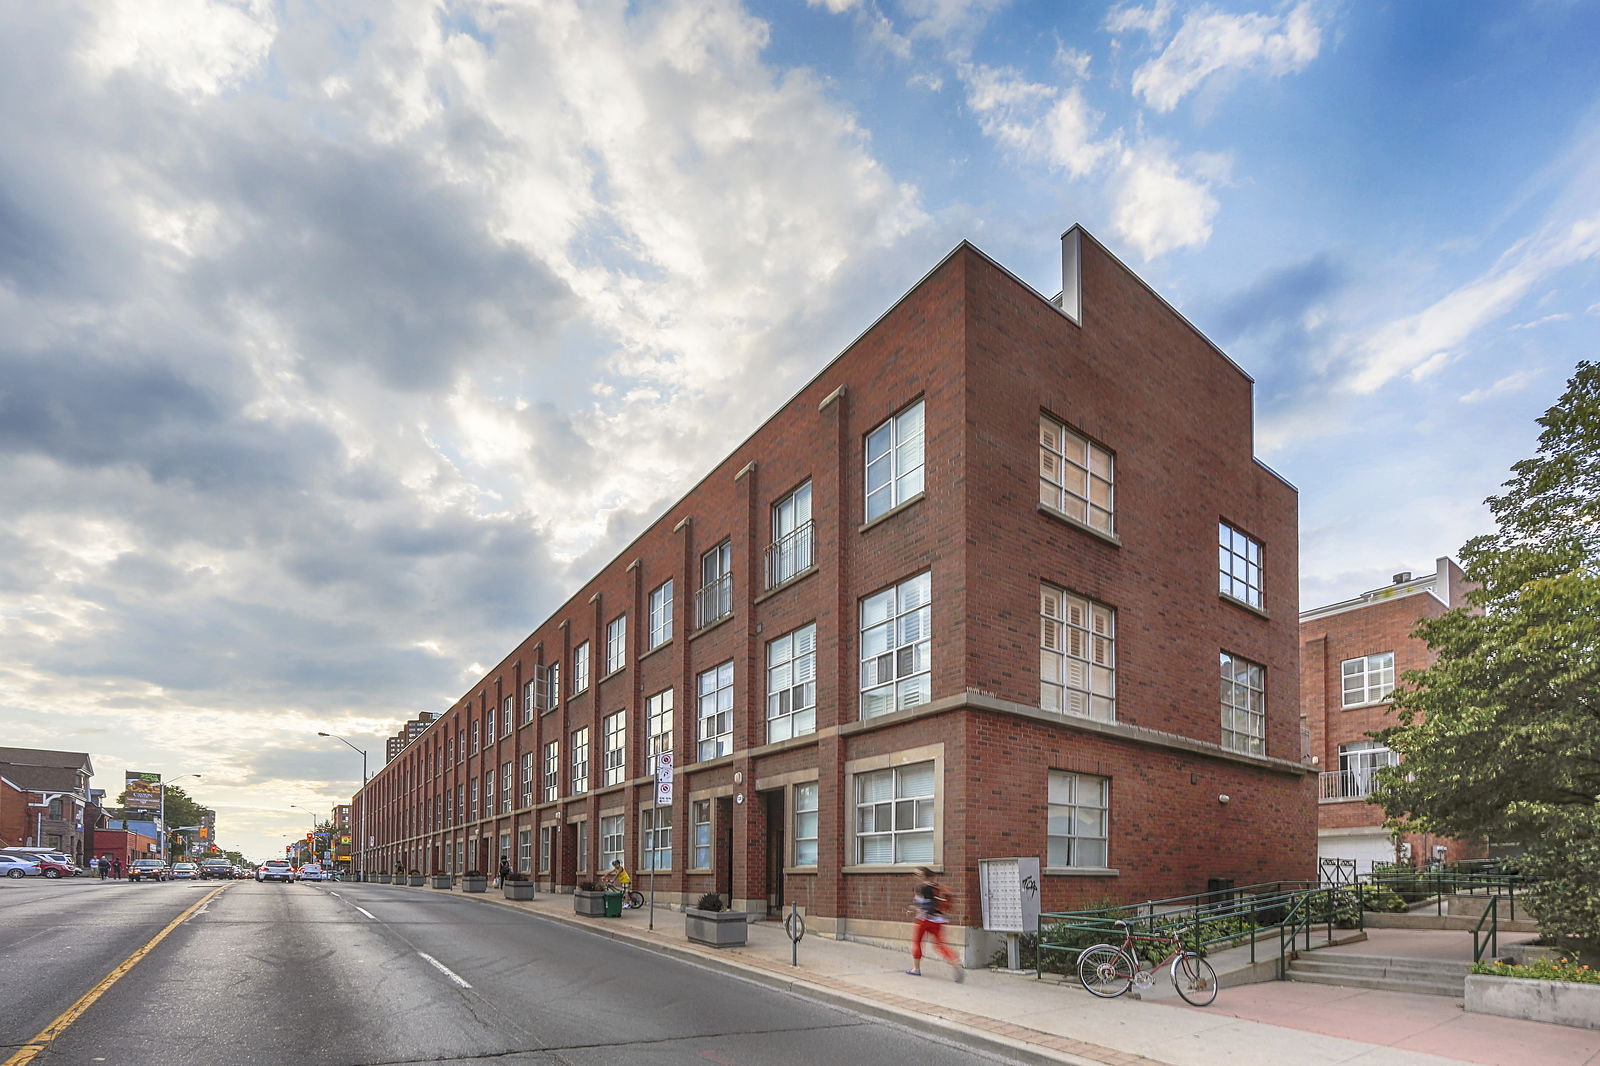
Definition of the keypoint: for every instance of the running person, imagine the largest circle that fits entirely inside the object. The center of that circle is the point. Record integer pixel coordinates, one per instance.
(927, 903)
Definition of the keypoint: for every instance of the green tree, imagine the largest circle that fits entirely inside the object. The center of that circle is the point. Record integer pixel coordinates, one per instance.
(1501, 736)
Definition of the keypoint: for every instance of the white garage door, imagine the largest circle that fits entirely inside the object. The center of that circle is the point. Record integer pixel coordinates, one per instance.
(1364, 848)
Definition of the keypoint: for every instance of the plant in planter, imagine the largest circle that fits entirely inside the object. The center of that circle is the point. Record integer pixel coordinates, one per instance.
(589, 900)
(517, 887)
(415, 878)
(1558, 991)
(474, 881)
(710, 922)
(439, 880)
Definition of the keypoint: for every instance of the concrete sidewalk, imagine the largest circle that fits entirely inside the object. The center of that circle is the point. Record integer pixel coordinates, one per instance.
(1054, 1020)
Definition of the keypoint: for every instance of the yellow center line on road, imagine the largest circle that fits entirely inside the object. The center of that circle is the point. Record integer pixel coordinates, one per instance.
(29, 1051)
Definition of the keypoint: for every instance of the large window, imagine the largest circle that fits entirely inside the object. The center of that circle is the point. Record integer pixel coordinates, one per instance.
(508, 715)
(505, 787)
(616, 749)
(790, 551)
(658, 726)
(894, 461)
(530, 697)
(1077, 655)
(661, 615)
(475, 725)
(552, 770)
(1367, 679)
(1076, 476)
(527, 779)
(525, 851)
(611, 840)
(472, 800)
(1359, 763)
(1077, 819)
(805, 824)
(896, 630)
(895, 814)
(792, 684)
(715, 687)
(580, 833)
(715, 598)
(580, 761)
(617, 644)
(1244, 705)
(655, 838)
(580, 668)
(488, 794)
(489, 729)
(546, 835)
(700, 834)
(1238, 565)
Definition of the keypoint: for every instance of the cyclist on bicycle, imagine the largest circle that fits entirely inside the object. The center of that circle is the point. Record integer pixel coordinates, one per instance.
(618, 879)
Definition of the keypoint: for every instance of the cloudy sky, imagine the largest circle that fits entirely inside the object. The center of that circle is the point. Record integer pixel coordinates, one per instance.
(340, 340)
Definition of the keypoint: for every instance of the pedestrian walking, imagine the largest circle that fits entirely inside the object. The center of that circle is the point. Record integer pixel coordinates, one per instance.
(505, 869)
(94, 867)
(105, 866)
(927, 905)
(116, 869)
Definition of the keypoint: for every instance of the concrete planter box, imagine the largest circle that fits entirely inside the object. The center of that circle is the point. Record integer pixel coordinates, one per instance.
(589, 904)
(521, 891)
(474, 884)
(378, 879)
(440, 880)
(719, 929)
(1554, 1002)
(416, 880)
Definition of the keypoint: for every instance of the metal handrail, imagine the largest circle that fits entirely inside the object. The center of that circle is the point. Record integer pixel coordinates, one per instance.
(714, 601)
(1491, 914)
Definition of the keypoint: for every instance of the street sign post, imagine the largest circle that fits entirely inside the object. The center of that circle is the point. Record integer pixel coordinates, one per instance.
(663, 799)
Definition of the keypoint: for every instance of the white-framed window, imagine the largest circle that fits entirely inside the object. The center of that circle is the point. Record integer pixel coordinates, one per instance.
(1077, 655)
(508, 715)
(449, 748)
(580, 761)
(894, 461)
(505, 787)
(611, 839)
(1238, 565)
(488, 793)
(896, 632)
(546, 833)
(548, 680)
(1077, 820)
(715, 689)
(1359, 763)
(617, 644)
(700, 834)
(489, 729)
(580, 833)
(1367, 679)
(472, 801)
(530, 696)
(895, 815)
(655, 838)
(1076, 476)
(616, 748)
(805, 824)
(527, 779)
(1244, 705)
(661, 615)
(580, 668)
(790, 552)
(792, 684)
(505, 848)
(525, 851)
(475, 725)
(715, 598)
(552, 770)
(658, 726)
(461, 803)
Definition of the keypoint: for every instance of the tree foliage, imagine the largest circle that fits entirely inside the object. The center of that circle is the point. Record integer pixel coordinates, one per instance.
(1501, 736)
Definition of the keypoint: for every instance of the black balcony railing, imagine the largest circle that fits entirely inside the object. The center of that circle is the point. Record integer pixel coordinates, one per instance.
(790, 555)
(714, 601)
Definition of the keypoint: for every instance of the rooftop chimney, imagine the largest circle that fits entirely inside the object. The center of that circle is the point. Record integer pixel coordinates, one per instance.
(1402, 577)
(1072, 275)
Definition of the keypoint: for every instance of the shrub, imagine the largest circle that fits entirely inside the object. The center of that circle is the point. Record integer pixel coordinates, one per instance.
(1541, 970)
(515, 877)
(416, 873)
(474, 873)
(588, 886)
(710, 902)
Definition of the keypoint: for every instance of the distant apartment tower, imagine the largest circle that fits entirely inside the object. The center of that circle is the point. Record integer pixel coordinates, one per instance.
(1351, 655)
(968, 595)
(408, 732)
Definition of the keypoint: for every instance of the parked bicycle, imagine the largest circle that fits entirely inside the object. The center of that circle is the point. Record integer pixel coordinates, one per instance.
(1109, 970)
(632, 898)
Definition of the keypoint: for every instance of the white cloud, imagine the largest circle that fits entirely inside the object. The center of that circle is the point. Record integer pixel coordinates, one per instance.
(1158, 207)
(1210, 42)
(1509, 383)
(1544, 320)
(195, 47)
(1151, 20)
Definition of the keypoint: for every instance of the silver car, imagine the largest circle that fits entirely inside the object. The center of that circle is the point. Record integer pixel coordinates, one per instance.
(17, 866)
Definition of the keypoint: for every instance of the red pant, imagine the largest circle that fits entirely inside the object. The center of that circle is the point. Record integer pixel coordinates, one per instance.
(928, 927)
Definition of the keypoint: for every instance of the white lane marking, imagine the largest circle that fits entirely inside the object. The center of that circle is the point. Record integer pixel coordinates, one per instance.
(335, 895)
(368, 913)
(442, 968)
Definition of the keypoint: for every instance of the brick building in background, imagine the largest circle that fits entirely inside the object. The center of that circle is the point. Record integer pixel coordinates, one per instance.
(1351, 655)
(969, 594)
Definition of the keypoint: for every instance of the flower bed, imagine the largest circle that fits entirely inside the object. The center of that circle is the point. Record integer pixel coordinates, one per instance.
(1557, 991)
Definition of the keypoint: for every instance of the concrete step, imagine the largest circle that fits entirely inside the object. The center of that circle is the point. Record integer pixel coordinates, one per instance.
(1421, 976)
(1454, 989)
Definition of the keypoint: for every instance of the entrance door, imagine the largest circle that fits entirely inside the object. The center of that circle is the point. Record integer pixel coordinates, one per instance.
(776, 849)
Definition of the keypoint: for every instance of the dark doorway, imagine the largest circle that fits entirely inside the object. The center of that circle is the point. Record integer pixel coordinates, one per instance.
(776, 849)
(722, 880)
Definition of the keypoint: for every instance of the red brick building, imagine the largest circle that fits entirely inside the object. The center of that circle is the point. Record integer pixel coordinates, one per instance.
(967, 595)
(1351, 654)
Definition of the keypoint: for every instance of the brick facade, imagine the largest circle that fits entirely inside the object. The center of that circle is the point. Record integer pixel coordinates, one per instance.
(1377, 623)
(985, 356)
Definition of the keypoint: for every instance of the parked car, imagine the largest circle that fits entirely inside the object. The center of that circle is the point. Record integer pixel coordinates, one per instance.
(46, 857)
(275, 870)
(221, 869)
(50, 866)
(147, 870)
(312, 871)
(17, 866)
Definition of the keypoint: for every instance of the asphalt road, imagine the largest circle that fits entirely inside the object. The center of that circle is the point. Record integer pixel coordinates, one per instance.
(360, 975)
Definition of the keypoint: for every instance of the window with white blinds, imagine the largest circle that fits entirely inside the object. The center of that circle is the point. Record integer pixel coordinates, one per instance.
(896, 641)
(895, 815)
(1077, 655)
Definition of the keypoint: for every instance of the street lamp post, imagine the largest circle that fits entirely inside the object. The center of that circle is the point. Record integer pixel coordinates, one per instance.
(310, 847)
(361, 873)
(166, 844)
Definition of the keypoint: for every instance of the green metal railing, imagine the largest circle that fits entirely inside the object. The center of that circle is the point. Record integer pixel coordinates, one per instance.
(1491, 940)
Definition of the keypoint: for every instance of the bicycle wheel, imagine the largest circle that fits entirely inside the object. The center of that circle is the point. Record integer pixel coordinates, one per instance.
(635, 899)
(1194, 979)
(1106, 971)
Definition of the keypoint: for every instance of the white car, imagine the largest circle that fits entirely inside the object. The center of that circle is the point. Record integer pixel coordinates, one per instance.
(313, 871)
(17, 866)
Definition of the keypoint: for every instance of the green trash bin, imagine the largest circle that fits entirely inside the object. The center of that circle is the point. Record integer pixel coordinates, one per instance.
(613, 904)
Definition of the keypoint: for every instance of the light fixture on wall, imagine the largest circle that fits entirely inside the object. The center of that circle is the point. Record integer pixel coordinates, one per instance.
(1224, 798)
